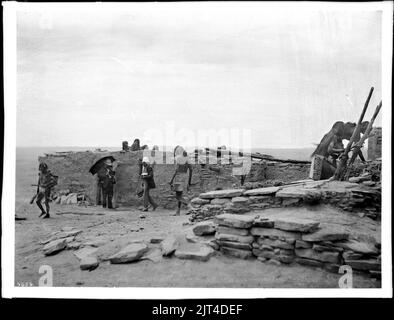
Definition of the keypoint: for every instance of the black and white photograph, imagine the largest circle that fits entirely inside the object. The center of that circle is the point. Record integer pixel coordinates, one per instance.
(197, 150)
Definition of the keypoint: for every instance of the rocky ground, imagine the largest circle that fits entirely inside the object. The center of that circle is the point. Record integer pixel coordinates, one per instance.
(107, 233)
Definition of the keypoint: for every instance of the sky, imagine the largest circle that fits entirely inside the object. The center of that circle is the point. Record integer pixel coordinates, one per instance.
(171, 73)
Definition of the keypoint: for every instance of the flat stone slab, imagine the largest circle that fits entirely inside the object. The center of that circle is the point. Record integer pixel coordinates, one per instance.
(296, 225)
(73, 245)
(153, 255)
(96, 243)
(261, 200)
(333, 233)
(321, 248)
(237, 253)
(297, 192)
(267, 254)
(234, 238)
(220, 201)
(60, 235)
(199, 201)
(235, 231)
(230, 193)
(89, 263)
(191, 237)
(276, 243)
(236, 245)
(204, 228)
(70, 233)
(359, 179)
(299, 244)
(319, 256)
(85, 252)
(54, 246)
(263, 222)
(364, 264)
(212, 208)
(275, 234)
(130, 253)
(169, 245)
(358, 246)
(72, 199)
(240, 200)
(69, 240)
(262, 191)
(234, 220)
(350, 255)
(200, 253)
(274, 262)
(286, 258)
(309, 262)
(287, 202)
(236, 208)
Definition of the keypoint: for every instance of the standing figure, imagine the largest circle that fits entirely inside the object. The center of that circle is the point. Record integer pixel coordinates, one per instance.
(125, 146)
(182, 180)
(46, 181)
(148, 183)
(204, 176)
(99, 191)
(106, 177)
(136, 145)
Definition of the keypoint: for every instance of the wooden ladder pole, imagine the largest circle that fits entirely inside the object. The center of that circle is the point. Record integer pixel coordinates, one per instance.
(365, 136)
(339, 172)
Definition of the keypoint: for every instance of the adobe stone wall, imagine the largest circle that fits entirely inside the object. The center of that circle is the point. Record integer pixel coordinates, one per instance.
(74, 177)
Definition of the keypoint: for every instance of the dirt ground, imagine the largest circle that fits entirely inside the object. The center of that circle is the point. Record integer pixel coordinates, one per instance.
(116, 228)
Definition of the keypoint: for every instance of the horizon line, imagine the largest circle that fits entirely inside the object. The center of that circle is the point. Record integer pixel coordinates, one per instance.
(102, 147)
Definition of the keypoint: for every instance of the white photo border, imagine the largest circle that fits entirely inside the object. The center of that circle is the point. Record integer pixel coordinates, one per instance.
(8, 199)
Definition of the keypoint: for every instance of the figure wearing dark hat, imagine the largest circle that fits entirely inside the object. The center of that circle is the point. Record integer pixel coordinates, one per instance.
(106, 176)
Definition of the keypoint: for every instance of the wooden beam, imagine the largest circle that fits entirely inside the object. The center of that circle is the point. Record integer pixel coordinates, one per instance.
(259, 156)
(343, 158)
(365, 136)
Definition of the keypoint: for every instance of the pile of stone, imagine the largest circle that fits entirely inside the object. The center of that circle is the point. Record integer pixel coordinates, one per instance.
(368, 195)
(206, 212)
(362, 256)
(91, 252)
(368, 200)
(60, 240)
(276, 240)
(295, 240)
(233, 235)
(210, 204)
(349, 196)
(331, 246)
(236, 201)
(66, 197)
(368, 172)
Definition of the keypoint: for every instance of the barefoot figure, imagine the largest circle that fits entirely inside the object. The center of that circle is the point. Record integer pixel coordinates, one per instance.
(46, 181)
(182, 179)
